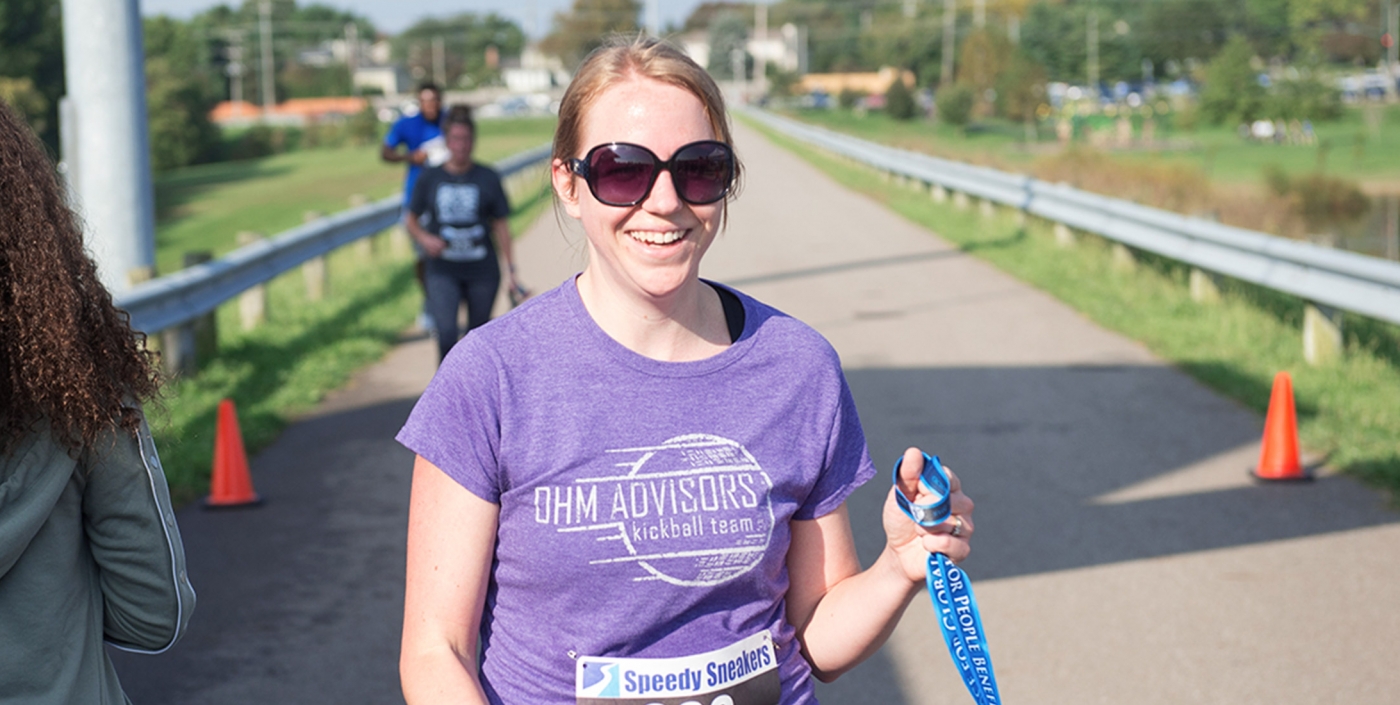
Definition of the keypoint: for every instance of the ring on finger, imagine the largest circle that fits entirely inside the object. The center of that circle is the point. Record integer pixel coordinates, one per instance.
(957, 528)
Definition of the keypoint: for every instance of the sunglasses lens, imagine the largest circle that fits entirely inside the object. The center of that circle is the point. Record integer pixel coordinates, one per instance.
(620, 174)
(702, 172)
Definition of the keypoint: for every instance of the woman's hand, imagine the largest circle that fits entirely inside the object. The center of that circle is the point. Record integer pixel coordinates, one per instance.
(433, 246)
(912, 543)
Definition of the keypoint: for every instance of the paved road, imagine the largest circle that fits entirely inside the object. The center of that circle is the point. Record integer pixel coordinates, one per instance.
(1122, 555)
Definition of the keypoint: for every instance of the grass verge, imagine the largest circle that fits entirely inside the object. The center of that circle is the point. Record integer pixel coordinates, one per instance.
(305, 349)
(1347, 410)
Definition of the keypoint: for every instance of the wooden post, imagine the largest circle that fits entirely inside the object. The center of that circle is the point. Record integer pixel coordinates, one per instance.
(314, 271)
(1064, 237)
(960, 200)
(1204, 287)
(252, 303)
(1322, 334)
(364, 247)
(1123, 259)
(940, 194)
(182, 347)
(987, 208)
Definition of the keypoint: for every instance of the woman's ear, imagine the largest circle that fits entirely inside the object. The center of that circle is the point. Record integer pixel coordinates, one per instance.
(562, 178)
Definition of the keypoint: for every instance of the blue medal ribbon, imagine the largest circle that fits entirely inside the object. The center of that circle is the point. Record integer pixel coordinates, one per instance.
(951, 589)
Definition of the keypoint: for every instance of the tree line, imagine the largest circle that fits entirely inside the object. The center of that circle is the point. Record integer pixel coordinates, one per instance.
(191, 65)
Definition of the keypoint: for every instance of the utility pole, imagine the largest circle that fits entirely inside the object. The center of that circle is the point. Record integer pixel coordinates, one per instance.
(950, 35)
(106, 139)
(1093, 59)
(352, 54)
(760, 57)
(439, 62)
(1393, 51)
(269, 94)
(235, 67)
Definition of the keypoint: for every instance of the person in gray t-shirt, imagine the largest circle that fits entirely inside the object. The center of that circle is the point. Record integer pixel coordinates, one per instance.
(459, 216)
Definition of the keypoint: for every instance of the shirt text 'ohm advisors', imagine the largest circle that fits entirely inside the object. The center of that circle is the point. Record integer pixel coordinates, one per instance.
(635, 499)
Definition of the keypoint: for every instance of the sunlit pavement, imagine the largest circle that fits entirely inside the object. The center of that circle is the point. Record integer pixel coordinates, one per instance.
(1121, 554)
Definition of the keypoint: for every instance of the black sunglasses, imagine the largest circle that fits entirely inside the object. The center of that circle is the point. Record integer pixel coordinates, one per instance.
(622, 174)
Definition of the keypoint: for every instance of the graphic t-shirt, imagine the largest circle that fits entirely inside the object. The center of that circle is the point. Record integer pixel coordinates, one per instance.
(411, 132)
(644, 505)
(460, 208)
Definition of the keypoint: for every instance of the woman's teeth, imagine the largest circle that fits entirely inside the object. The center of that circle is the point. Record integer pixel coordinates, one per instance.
(656, 238)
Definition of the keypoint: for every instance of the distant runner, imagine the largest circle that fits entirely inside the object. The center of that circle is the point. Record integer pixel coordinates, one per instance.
(420, 136)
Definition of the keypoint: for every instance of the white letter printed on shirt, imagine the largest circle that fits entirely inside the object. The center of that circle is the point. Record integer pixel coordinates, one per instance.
(694, 511)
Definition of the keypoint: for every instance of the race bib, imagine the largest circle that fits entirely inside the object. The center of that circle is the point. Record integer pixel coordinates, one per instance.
(743, 673)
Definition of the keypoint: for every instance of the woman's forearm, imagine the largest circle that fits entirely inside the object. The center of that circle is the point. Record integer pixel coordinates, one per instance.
(438, 676)
(856, 617)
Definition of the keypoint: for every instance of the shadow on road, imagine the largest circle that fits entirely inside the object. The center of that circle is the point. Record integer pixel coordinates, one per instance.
(1048, 454)
(300, 600)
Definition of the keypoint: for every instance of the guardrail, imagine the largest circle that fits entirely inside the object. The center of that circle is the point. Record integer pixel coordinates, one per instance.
(1328, 280)
(179, 298)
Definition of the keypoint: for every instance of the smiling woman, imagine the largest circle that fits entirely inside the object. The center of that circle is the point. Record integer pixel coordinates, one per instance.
(641, 431)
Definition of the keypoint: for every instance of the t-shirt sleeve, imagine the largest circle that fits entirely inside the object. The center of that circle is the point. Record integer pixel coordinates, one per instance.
(456, 423)
(395, 136)
(848, 464)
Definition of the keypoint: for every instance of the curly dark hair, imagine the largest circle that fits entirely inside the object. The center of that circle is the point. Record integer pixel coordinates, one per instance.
(68, 356)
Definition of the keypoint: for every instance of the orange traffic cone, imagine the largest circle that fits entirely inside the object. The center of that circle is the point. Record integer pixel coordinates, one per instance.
(1278, 459)
(230, 485)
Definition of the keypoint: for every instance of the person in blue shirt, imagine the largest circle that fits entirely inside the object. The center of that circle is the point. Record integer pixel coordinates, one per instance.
(411, 140)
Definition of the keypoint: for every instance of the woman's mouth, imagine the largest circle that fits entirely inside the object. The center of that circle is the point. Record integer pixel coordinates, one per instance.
(655, 237)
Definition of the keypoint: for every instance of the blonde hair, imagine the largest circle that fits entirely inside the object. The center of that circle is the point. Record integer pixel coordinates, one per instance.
(622, 58)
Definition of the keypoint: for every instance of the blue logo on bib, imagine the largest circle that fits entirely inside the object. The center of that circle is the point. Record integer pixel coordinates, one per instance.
(600, 679)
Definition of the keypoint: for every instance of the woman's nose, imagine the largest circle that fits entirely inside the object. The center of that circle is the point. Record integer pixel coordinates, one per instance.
(663, 197)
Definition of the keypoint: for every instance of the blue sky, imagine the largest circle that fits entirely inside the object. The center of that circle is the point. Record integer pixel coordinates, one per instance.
(396, 15)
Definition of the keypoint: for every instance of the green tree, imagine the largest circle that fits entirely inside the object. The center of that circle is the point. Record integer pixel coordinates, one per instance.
(1056, 37)
(955, 104)
(182, 86)
(1232, 91)
(1021, 91)
(899, 101)
(178, 118)
(587, 25)
(31, 49)
(1309, 97)
(983, 57)
(467, 40)
(728, 34)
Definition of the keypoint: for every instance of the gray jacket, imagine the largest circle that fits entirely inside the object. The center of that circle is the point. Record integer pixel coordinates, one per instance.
(89, 551)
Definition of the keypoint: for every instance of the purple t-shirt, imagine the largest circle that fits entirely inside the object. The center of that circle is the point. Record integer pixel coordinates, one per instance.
(644, 504)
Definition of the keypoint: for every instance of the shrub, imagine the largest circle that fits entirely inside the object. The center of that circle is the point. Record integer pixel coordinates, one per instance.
(899, 102)
(1324, 202)
(849, 97)
(1308, 98)
(955, 104)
